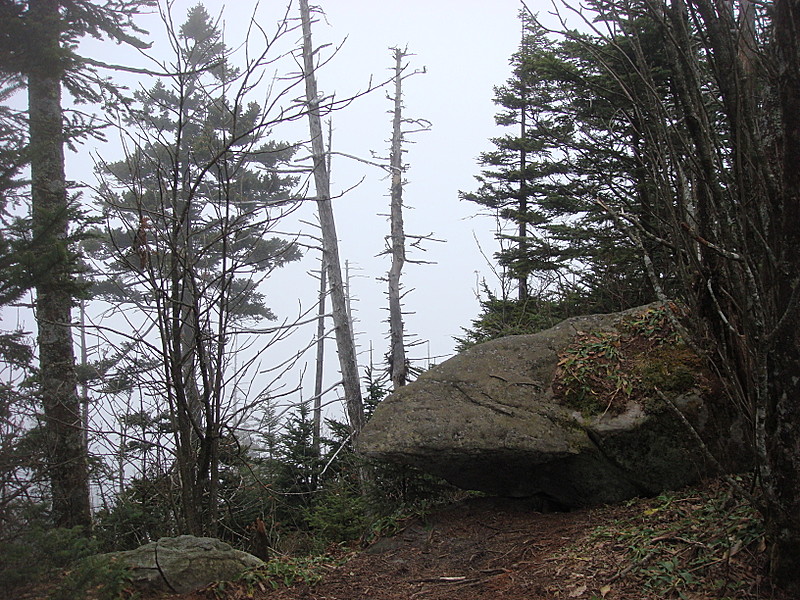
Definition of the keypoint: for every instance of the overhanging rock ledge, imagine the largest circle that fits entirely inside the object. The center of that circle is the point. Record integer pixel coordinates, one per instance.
(487, 419)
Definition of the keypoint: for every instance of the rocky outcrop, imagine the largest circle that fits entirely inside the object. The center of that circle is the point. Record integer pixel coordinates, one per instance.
(183, 564)
(497, 418)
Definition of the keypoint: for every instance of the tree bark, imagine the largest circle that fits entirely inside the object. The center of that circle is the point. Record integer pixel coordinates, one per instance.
(345, 343)
(397, 351)
(320, 360)
(319, 365)
(782, 426)
(67, 453)
(522, 203)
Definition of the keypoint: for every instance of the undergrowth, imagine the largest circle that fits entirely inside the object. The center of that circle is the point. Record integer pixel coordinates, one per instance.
(286, 571)
(63, 559)
(682, 543)
(602, 372)
(95, 578)
(283, 571)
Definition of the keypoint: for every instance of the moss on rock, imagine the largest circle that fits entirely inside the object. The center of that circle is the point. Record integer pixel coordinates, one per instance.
(603, 372)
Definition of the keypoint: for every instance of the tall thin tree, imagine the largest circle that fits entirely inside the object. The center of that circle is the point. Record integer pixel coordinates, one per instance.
(38, 44)
(398, 363)
(345, 340)
(56, 288)
(397, 239)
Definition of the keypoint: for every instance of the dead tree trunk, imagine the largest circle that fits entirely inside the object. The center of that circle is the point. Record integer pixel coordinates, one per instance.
(398, 363)
(345, 343)
(319, 364)
(316, 434)
(397, 241)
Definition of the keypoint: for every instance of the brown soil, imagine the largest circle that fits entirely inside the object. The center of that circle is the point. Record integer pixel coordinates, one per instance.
(702, 543)
(489, 548)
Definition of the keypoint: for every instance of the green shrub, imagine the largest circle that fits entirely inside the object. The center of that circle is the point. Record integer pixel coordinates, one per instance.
(39, 552)
(339, 514)
(97, 578)
(501, 317)
(282, 572)
(143, 512)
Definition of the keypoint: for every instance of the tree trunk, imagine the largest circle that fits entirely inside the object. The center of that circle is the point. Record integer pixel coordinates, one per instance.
(319, 370)
(397, 351)
(67, 453)
(319, 364)
(522, 204)
(782, 431)
(782, 427)
(345, 343)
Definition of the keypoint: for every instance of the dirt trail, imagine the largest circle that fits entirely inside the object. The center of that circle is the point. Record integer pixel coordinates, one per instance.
(698, 544)
(492, 548)
(482, 548)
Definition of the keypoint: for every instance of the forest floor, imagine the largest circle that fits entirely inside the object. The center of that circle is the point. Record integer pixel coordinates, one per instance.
(702, 543)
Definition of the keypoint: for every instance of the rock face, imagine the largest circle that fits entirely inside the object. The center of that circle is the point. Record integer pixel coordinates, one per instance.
(489, 419)
(184, 564)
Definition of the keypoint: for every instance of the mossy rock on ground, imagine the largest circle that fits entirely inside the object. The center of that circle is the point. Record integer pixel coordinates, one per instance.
(183, 564)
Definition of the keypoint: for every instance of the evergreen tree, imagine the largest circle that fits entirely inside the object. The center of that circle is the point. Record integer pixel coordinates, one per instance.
(609, 154)
(500, 317)
(37, 46)
(21, 458)
(15, 246)
(578, 145)
(297, 458)
(190, 212)
(520, 182)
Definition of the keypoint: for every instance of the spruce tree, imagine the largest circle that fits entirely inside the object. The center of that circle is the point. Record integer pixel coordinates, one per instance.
(522, 171)
(37, 46)
(576, 145)
(190, 211)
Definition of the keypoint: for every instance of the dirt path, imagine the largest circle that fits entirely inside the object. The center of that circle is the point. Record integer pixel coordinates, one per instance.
(481, 549)
(703, 543)
(499, 548)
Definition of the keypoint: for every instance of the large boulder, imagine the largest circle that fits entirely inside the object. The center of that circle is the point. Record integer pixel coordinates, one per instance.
(183, 564)
(581, 414)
